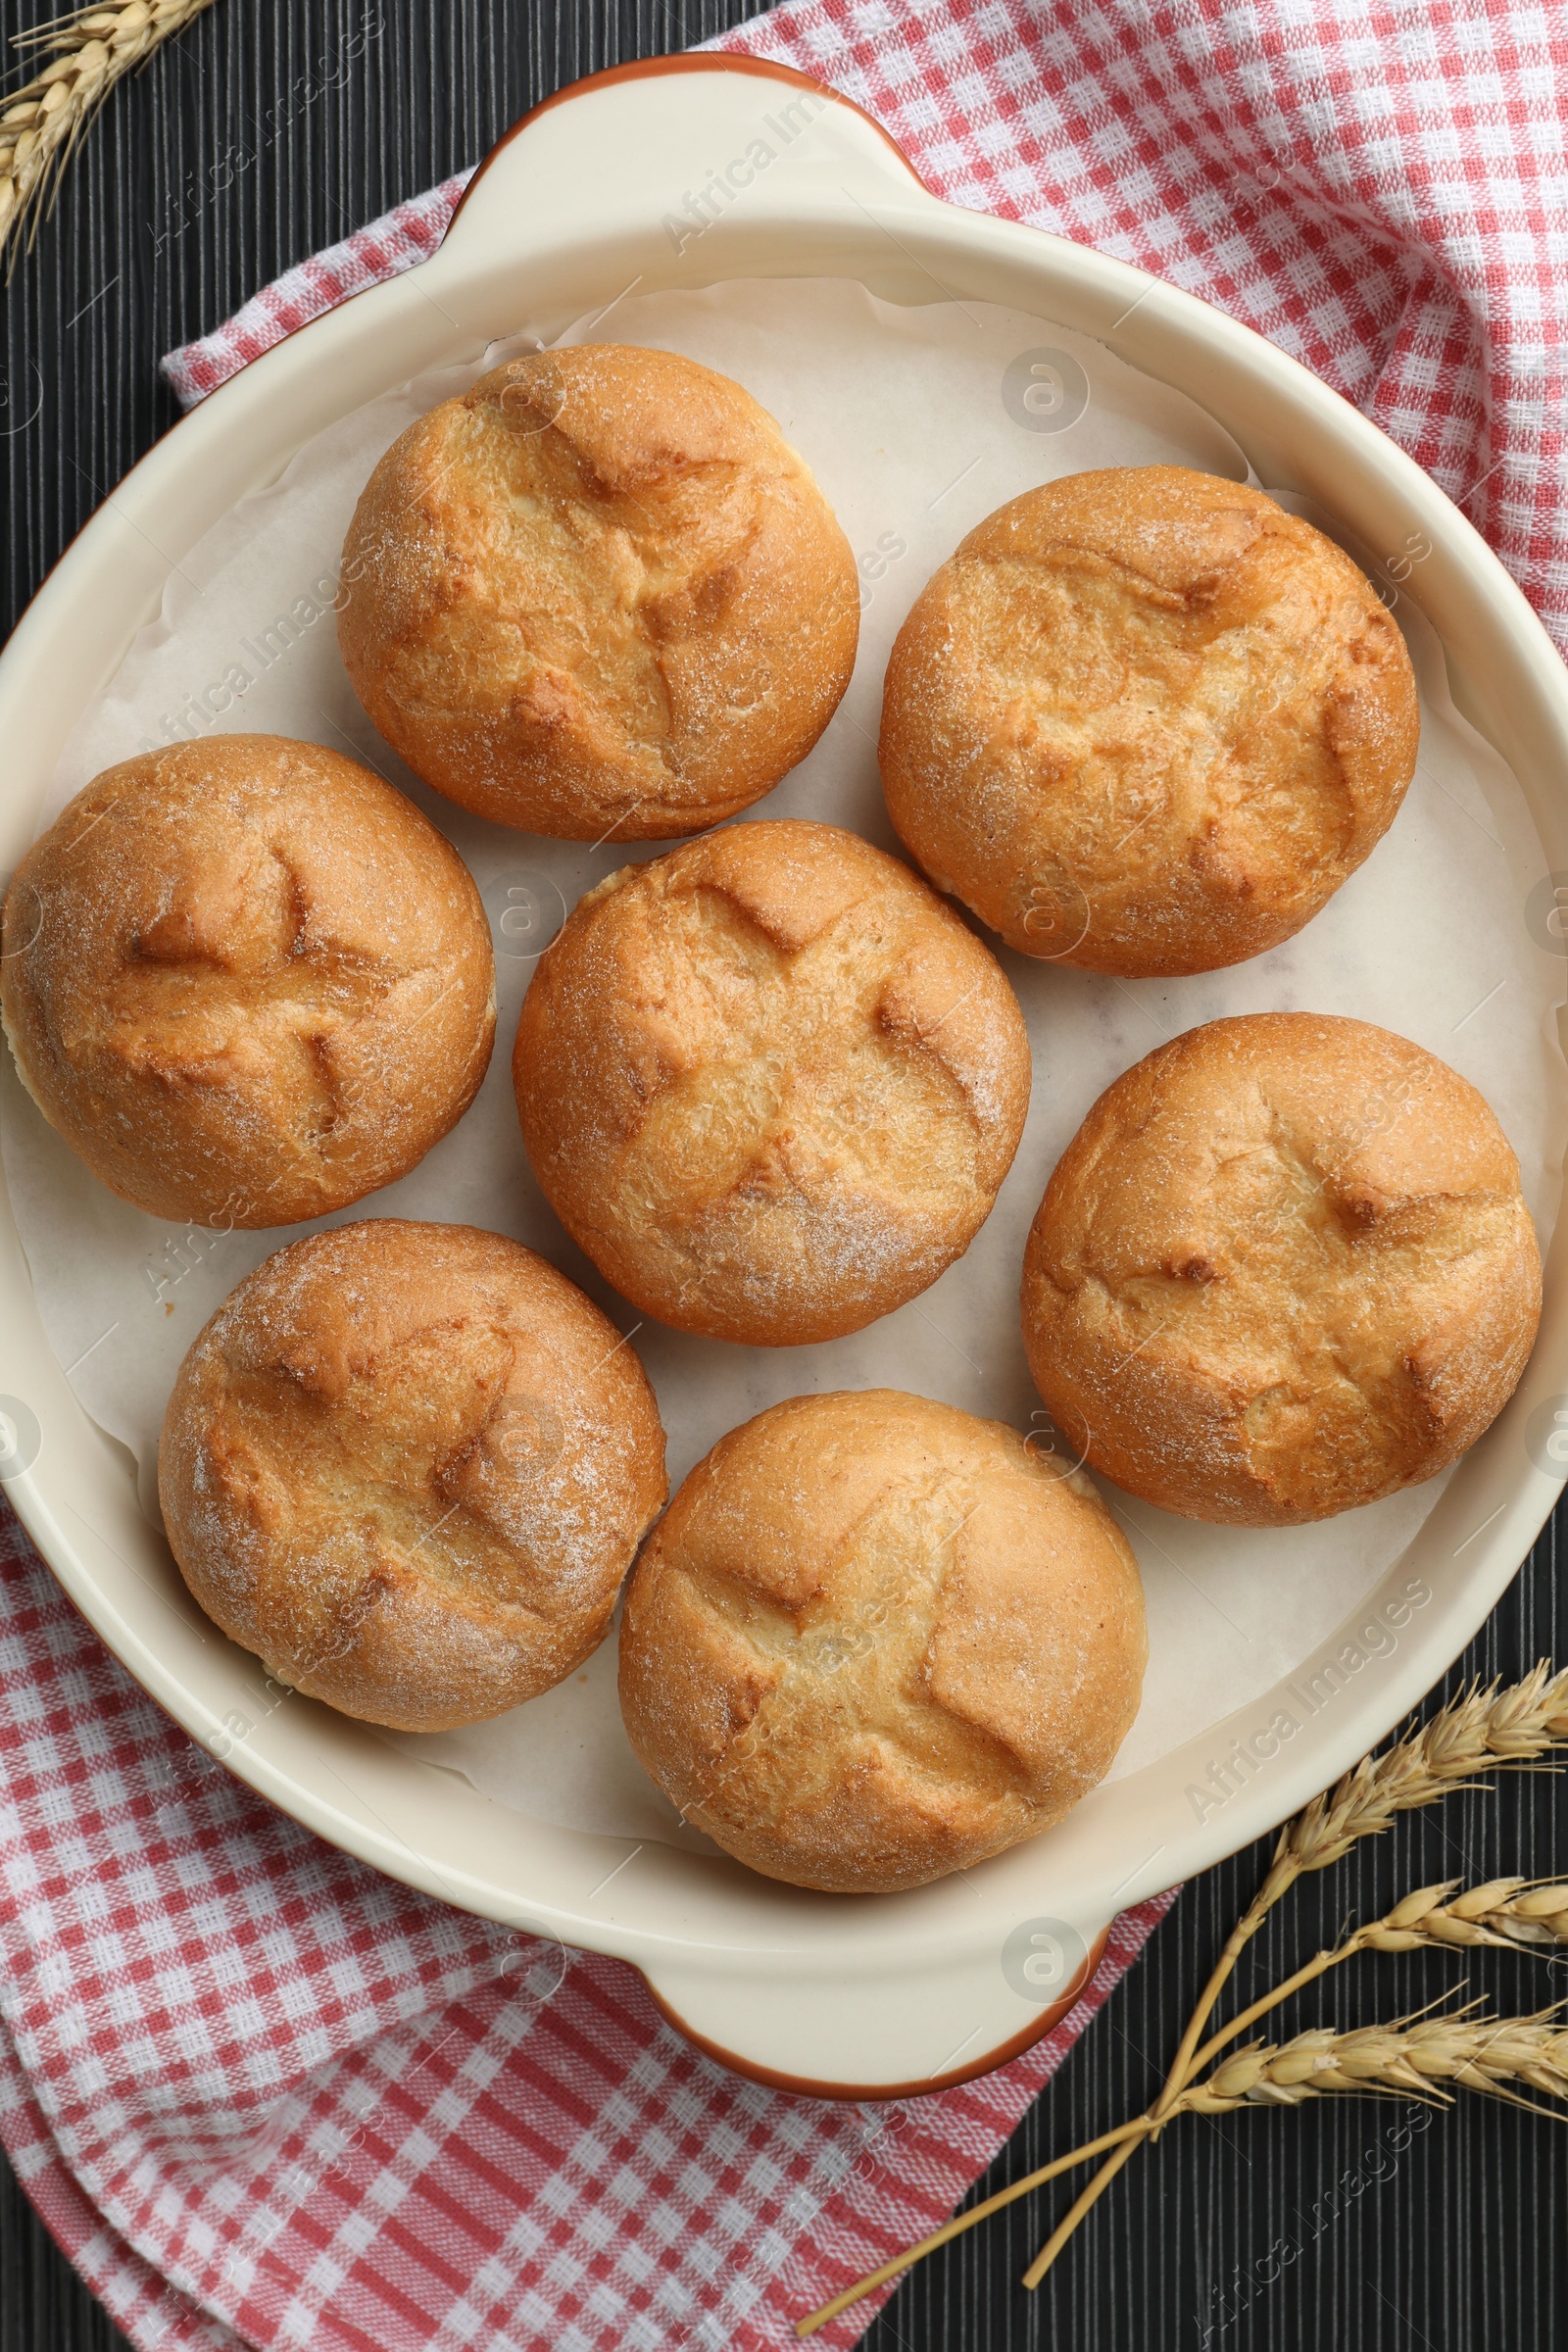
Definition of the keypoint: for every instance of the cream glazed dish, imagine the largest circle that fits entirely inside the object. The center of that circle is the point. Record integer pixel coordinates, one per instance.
(929, 365)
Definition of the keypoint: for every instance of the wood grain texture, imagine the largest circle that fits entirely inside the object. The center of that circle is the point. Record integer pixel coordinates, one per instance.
(1269, 2232)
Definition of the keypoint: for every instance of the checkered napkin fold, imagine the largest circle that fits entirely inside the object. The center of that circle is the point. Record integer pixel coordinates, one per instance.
(264, 2096)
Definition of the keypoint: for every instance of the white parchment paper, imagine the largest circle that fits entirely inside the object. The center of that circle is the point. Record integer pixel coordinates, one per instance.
(917, 423)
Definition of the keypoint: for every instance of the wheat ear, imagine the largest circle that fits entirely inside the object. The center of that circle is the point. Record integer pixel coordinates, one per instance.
(1478, 1730)
(1421, 2056)
(1429, 2057)
(1512, 1913)
(88, 53)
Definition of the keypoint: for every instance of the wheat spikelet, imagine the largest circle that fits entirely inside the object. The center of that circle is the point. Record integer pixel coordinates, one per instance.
(88, 53)
(1424, 2057)
(1476, 1732)
(1512, 1914)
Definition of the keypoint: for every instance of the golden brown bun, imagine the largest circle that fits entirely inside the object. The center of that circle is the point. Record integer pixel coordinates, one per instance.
(1146, 721)
(247, 981)
(1283, 1268)
(598, 593)
(874, 1639)
(769, 1083)
(409, 1466)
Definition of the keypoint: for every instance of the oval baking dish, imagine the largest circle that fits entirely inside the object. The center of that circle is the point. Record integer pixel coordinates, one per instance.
(859, 1996)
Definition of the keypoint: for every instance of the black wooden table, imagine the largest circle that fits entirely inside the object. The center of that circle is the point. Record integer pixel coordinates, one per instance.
(1311, 2232)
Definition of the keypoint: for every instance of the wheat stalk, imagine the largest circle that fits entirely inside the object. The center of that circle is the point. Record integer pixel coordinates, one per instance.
(1420, 2057)
(1528, 1915)
(1515, 1914)
(1478, 1730)
(88, 53)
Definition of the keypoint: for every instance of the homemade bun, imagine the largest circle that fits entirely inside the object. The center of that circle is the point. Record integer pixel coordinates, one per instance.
(1283, 1268)
(409, 1466)
(598, 593)
(769, 1083)
(1145, 721)
(247, 981)
(875, 1640)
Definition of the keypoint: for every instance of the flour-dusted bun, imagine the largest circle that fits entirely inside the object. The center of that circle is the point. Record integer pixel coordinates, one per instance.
(769, 1083)
(1283, 1268)
(409, 1466)
(247, 981)
(875, 1640)
(598, 593)
(1146, 721)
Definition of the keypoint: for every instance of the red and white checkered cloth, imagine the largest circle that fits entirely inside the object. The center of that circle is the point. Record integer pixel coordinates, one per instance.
(264, 2096)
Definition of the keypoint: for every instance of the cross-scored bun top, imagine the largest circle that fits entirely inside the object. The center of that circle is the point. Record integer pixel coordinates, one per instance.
(1146, 721)
(409, 1466)
(769, 1083)
(875, 1640)
(247, 981)
(1283, 1268)
(598, 592)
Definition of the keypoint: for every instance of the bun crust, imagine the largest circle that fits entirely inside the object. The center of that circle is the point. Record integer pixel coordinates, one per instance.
(769, 1083)
(409, 1466)
(1283, 1268)
(1146, 721)
(598, 592)
(247, 981)
(874, 1640)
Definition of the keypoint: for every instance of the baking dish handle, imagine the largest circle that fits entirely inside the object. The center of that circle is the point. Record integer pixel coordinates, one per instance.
(687, 144)
(908, 2030)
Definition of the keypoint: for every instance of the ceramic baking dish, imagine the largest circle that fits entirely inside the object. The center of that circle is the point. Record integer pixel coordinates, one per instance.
(587, 198)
